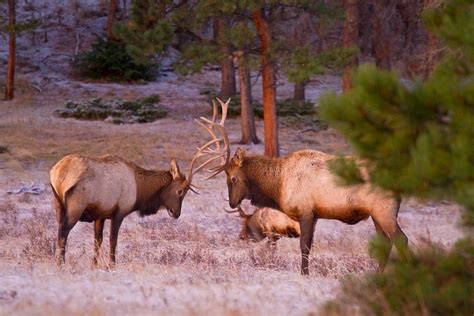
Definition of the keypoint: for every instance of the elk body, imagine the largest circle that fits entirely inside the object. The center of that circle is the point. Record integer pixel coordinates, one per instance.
(267, 223)
(302, 186)
(93, 189)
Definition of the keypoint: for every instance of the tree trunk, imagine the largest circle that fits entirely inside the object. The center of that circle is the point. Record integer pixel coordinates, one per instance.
(381, 44)
(299, 93)
(249, 134)
(270, 120)
(110, 18)
(228, 84)
(10, 84)
(351, 36)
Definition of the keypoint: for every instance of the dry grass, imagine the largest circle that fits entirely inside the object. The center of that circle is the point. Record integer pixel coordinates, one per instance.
(8, 219)
(40, 239)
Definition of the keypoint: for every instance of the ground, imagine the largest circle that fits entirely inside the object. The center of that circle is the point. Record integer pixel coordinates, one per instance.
(193, 265)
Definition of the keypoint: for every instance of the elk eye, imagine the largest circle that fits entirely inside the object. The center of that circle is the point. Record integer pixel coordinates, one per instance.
(233, 179)
(180, 192)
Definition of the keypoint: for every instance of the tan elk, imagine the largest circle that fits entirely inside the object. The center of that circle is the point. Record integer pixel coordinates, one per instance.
(268, 223)
(302, 186)
(93, 189)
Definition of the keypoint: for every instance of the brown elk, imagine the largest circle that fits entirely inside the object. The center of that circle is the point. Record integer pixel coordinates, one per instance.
(93, 189)
(266, 223)
(302, 186)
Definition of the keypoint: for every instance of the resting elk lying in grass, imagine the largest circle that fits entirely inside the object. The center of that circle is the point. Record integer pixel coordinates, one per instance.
(266, 223)
(95, 189)
(302, 186)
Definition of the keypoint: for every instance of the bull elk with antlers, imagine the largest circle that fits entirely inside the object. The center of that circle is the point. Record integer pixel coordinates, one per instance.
(268, 223)
(93, 189)
(302, 186)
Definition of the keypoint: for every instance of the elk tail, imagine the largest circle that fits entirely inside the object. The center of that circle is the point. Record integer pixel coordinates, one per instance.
(60, 202)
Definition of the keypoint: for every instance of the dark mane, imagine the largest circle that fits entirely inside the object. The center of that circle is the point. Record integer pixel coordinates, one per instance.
(150, 186)
(264, 177)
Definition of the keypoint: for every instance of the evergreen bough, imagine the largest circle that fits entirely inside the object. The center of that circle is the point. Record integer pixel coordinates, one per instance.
(417, 139)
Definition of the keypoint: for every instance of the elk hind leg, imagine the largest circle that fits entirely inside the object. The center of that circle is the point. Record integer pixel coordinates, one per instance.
(387, 246)
(393, 235)
(98, 236)
(67, 218)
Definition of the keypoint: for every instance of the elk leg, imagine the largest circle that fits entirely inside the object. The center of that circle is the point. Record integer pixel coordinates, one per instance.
(272, 240)
(114, 229)
(306, 240)
(401, 243)
(387, 241)
(63, 232)
(391, 231)
(98, 234)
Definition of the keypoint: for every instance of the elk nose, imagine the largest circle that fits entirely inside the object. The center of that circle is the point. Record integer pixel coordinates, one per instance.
(177, 213)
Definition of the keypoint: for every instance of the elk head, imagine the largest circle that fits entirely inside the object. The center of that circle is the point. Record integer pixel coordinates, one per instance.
(173, 194)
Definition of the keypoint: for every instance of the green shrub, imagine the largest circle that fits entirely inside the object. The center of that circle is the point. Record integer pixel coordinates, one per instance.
(433, 282)
(111, 61)
(115, 111)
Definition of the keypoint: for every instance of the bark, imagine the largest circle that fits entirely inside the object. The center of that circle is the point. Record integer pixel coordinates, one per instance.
(228, 84)
(381, 41)
(110, 18)
(350, 39)
(299, 93)
(10, 84)
(270, 119)
(249, 134)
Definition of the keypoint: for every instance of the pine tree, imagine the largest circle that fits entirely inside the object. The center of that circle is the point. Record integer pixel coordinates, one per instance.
(112, 7)
(10, 83)
(10, 25)
(149, 31)
(351, 36)
(416, 139)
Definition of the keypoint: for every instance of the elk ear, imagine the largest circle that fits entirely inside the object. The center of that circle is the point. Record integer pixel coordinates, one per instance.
(238, 158)
(175, 169)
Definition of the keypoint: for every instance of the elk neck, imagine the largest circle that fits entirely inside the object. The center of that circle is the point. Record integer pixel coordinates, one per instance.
(264, 180)
(150, 184)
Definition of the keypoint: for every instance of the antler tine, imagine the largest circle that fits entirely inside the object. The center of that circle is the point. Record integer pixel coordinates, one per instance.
(214, 115)
(230, 211)
(221, 168)
(206, 163)
(239, 210)
(214, 110)
(225, 107)
(198, 155)
(208, 129)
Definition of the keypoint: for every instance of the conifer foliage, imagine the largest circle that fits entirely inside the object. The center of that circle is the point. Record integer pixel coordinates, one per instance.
(418, 137)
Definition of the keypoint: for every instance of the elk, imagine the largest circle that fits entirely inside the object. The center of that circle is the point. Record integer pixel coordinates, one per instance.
(266, 223)
(302, 186)
(93, 189)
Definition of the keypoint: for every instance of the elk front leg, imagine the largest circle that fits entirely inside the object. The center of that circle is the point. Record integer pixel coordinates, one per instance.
(114, 229)
(307, 224)
(98, 236)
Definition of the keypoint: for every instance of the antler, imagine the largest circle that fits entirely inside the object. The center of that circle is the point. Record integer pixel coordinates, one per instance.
(240, 211)
(207, 150)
